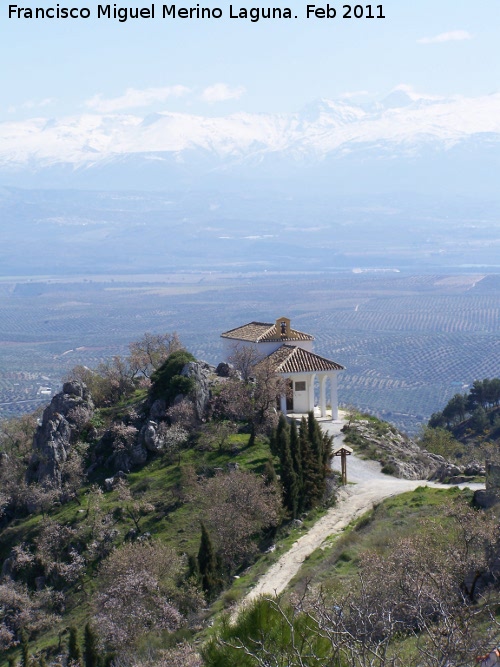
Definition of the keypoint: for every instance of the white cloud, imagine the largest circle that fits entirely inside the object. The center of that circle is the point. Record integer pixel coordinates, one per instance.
(221, 92)
(452, 36)
(135, 98)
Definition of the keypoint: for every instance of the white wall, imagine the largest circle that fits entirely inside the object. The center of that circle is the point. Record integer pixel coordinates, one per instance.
(264, 349)
(301, 398)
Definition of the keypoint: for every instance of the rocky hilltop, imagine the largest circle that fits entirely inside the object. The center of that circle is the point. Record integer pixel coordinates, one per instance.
(127, 442)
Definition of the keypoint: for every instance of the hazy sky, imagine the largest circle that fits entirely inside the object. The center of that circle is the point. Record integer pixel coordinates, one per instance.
(56, 67)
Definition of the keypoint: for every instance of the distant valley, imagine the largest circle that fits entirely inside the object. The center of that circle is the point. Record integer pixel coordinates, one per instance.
(409, 342)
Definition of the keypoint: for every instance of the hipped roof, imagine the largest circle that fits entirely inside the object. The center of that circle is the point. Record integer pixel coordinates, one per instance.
(293, 359)
(263, 332)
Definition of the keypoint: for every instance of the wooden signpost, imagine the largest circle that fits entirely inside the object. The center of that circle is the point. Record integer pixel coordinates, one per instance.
(343, 451)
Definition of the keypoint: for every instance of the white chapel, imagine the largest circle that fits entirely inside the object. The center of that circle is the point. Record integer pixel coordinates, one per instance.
(290, 352)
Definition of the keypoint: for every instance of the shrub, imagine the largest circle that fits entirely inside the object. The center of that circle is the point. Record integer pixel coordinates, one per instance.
(167, 382)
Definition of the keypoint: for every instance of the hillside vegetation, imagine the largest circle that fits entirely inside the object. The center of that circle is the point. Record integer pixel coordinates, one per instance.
(131, 504)
(153, 491)
(414, 582)
(468, 427)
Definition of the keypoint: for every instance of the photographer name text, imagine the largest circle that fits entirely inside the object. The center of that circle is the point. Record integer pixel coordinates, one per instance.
(197, 12)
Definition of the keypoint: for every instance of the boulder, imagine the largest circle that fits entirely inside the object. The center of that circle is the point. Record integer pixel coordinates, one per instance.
(148, 436)
(158, 409)
(76, 389)
(446, 471)
(119, 461)
(138, 455)
(485, 499)
(475, 469)
(224, 370)
(121, 448)
(111, 482)
(459, 479)
(200, 372)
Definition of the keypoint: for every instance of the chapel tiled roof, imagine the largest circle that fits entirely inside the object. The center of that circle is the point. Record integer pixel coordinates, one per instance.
(292, 359)
(261, 332)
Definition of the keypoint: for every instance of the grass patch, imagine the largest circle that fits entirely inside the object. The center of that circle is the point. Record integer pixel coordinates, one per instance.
(173, 520)
(334, 564)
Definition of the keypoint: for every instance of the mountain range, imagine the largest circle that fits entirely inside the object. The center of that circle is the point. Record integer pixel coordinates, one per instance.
(404, 142)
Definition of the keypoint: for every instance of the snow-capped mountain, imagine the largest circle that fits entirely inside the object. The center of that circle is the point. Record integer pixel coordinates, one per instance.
(323, 139)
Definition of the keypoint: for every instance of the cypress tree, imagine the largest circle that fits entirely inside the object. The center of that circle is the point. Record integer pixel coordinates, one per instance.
(207, 563)
(25, 657)
(315, 436)
(327, 451)
(193, 568)
(288, 476)
(313, 474)
(270, 473)
(296, 453)
(289, 481)
(108, 660)
(282, 438)
(74, 652)
(91, 656)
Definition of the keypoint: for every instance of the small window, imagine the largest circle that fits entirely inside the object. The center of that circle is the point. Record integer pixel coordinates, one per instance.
(300, 386)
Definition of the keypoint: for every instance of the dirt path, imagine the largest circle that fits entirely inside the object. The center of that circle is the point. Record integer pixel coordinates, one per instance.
(370, 487)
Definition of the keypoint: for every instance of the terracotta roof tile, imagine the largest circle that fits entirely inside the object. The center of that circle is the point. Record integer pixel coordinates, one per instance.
(261, 332)
(252, 331)
(292, 359)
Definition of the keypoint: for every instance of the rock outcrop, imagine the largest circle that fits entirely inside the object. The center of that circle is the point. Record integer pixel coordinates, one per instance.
(149, 438)
(62, 421)
(400, 456)
(201, 373)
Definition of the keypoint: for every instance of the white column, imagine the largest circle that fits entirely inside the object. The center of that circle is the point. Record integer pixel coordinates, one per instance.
(322, 395)
(311, 391)
(283, 403)
(334, 399)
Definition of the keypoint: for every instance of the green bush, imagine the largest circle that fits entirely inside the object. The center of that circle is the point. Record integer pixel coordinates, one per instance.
(167, 382)
(268, 627)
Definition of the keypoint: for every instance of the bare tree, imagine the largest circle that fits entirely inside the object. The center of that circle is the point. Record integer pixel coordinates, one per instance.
(254, 401)
(237, 506)
(215, 433)
(58, 555)
(16, 440)
(72, 473)
(134, 508)
(137, 593)
(183, 413)
(244, 358)
(268, 387)
(149, 352)
(22, 609)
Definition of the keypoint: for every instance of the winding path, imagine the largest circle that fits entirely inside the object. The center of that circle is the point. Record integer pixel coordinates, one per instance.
(370, 487)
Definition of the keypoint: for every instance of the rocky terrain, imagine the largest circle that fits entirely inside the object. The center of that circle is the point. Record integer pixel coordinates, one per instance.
(401, 456)
(127, 442)
(61, 423)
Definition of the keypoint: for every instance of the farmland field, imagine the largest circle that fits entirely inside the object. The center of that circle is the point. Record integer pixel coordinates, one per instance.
(409, 342)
